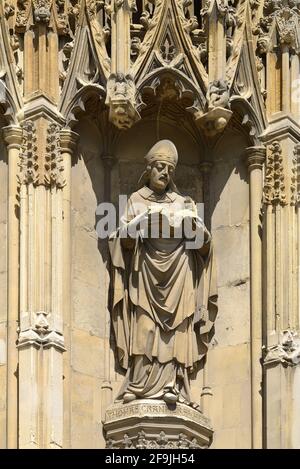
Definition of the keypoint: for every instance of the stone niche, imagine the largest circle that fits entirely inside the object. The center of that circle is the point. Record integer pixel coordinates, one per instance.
(95, 377)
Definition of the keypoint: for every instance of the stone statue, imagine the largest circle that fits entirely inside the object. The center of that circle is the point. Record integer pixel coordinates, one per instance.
(164, 293)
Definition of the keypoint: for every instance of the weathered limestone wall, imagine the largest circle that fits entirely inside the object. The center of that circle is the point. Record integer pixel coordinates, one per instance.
(3, 289)
(89, 295)
(229, 358)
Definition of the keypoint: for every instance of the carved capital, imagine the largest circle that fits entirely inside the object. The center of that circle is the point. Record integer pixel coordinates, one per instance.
(108, 161)
(68, 141)
(13, 136)
(40, 334)
(31, 337)
(206, 167)
(255, 157)
(286, 352)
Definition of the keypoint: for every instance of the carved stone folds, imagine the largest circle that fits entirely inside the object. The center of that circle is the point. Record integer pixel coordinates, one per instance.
(139, 425)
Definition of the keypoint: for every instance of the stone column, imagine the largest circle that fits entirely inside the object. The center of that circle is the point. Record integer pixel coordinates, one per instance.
(281, 356)
(13, 139)
(255, 160)
(68, 143)
(41, 340)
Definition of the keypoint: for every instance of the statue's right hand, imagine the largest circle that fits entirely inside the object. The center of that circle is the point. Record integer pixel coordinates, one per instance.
(137, 224)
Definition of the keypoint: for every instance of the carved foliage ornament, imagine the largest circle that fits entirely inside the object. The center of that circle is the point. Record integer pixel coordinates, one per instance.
(295, 181)
(162, 441)
(65, 11)
(33, 171)
(286, 15)
(28, 157)
(54, 175)
(41, 12)
(22, 13)
(274, 188)
(218, 94)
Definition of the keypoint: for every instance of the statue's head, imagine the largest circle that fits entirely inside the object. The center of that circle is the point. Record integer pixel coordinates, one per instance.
(161, 163)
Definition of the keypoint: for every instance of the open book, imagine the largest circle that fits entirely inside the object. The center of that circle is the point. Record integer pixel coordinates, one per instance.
(162, 220)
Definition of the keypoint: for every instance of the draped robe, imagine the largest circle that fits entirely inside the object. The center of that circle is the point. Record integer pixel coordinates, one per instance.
(164, 304)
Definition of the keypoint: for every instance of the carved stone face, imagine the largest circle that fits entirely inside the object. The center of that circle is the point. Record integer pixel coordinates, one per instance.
(160, 175)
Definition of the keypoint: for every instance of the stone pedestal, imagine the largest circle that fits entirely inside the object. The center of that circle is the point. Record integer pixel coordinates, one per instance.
(149, 424)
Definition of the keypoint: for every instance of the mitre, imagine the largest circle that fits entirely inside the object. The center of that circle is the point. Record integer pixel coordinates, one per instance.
(164, 150)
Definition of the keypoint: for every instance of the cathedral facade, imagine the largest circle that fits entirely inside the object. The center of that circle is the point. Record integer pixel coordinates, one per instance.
(87, 87)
